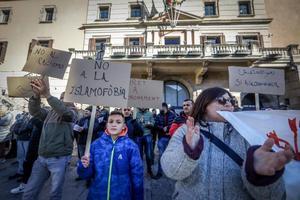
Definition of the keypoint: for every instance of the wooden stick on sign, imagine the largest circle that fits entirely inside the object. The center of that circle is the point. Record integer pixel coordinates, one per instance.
(90, 132)
(257, 101)
(99, 58)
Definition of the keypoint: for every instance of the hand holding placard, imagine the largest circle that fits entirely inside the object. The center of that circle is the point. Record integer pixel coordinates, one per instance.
(39, 87)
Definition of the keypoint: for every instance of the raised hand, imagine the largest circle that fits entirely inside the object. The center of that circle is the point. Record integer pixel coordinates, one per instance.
(266, 162)
(39, 87)
(193, 132)
(85, 160)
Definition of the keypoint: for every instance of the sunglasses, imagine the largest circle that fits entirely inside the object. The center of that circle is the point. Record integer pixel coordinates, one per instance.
(223, 101)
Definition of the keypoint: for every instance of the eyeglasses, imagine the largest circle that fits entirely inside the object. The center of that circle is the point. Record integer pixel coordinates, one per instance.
(223, 100)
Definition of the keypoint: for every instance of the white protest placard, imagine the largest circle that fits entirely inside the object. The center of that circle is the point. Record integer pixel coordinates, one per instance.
(283, 126)
(47, 61)
(20, 86)
(256, 80)
(98, 83)
(145, 93)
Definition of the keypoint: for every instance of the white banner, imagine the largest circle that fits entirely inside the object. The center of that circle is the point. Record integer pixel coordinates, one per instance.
(48, 61)
(145, 93)
(256, 80)
(283, 127)
(98, 83)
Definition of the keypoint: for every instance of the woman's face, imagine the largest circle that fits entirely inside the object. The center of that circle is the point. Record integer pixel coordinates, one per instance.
(222, 103)
(115, 124)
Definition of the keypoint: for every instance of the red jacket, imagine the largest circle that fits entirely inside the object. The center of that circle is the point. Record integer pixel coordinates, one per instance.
(178, 121)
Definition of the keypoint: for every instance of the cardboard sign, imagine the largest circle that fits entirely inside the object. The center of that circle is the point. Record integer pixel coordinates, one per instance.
(48, 61)
(145, 93)
(257, 80)
(20, 86)
(98, 83)
(283, 126)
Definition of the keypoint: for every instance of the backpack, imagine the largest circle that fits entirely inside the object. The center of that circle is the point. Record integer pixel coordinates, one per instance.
(20, 124)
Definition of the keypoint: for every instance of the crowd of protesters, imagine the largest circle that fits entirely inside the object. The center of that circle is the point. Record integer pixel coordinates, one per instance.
(122, 139)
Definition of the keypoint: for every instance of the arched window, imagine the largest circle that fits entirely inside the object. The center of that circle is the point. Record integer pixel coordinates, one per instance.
(175, 93)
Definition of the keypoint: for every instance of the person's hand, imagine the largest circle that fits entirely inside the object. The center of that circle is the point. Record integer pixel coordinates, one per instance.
(39, 87)
(192, 132)
(85, 160)
(266, 162)
(165, 129)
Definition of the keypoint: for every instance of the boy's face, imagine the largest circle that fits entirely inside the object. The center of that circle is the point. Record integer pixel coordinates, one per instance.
(115, 124)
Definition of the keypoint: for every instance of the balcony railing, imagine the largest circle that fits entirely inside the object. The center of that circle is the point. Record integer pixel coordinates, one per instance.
(231, 50)
(129, 51)
(177, 50)
(187, 51)
(274, 52)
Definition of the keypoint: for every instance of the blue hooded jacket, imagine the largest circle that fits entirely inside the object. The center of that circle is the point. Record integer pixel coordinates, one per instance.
(116, 169)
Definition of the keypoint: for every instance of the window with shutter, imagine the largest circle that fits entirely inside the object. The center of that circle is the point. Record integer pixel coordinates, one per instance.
(126, 41)
(172, 40)
(142, 42)
(136, 11)
(203, 39)
(134, 41)
(245, 8)
(3, 47)
(104, 12)
(211, 8)
(92, 44)
(212, 39)
(48, 14)
(239, 39)
(5, 15)
(250, 39)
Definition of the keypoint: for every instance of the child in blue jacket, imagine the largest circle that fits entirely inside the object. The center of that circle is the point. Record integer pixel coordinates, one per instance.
(114, 164)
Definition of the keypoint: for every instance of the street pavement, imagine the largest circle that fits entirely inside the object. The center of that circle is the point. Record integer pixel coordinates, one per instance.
(161, 189)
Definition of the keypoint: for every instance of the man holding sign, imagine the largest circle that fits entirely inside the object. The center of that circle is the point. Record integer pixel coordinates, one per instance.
(56, 143)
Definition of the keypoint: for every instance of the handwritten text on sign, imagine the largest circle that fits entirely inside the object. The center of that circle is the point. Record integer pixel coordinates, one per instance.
(145, 93)
(257, 80)
(20, 86)
(98, 83)
(47, 61)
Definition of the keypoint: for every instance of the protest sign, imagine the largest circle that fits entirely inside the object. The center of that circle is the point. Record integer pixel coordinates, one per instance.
(256, 80)
(20, 86)
(283, 127)
(98, 83)
(145, 93)
(47, 61)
